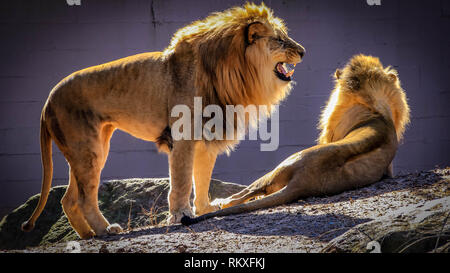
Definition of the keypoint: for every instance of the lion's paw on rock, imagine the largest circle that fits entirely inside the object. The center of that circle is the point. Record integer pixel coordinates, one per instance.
(175, 217)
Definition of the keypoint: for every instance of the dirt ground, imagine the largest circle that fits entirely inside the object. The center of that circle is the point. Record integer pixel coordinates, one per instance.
(304, 226)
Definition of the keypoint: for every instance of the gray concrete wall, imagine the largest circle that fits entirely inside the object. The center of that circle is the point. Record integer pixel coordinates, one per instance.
(43, 41)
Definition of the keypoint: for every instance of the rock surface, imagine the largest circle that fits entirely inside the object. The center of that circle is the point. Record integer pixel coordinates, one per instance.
(395, 212)
(132, 203)
(413, 229)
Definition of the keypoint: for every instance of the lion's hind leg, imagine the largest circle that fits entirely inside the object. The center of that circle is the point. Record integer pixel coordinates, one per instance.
(241, 197)
(73, 211)
(88, 181)
(86, 166)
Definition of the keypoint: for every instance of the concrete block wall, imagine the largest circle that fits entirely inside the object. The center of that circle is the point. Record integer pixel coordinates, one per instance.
(43, 41)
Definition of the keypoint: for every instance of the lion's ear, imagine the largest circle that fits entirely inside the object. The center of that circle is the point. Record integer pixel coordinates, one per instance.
(393, 77)
(337, 74)
(254, 31)
(392, 73)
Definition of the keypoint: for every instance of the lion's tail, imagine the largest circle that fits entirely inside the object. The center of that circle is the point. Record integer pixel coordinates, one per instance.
(47, 168)
(284, 196)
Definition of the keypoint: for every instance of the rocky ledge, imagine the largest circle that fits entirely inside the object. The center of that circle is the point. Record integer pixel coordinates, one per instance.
(408, 213)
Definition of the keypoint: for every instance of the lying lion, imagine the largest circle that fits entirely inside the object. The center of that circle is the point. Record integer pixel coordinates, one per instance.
(361, 125)
(235, 57)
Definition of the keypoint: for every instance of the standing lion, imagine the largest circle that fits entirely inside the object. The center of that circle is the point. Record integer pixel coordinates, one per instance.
(362, 124)
(235, 57)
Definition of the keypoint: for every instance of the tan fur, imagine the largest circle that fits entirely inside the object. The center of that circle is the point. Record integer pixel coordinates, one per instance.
(363, 122)
(227, 58)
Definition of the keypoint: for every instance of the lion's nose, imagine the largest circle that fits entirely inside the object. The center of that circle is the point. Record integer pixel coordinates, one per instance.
(301, 52)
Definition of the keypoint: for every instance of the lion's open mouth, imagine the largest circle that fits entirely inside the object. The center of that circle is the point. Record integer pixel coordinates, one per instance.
(284, 71)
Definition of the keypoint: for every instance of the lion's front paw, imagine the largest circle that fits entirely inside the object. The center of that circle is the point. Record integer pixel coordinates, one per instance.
(114, 229)
(175, 217)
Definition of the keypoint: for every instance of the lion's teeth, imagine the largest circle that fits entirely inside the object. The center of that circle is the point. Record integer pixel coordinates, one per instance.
(284, 69)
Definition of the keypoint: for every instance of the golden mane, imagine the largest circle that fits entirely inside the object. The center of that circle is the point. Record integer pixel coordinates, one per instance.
(223, 70)
(377, 91)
